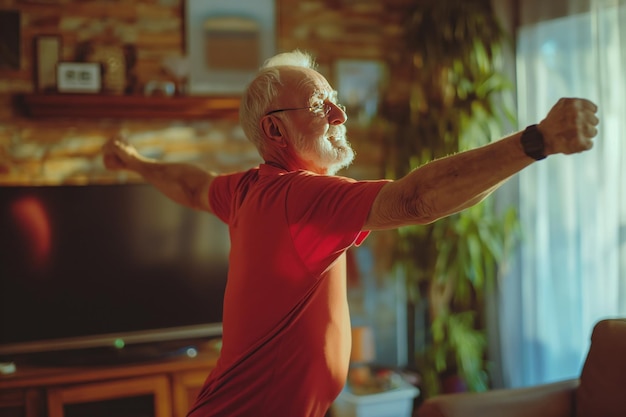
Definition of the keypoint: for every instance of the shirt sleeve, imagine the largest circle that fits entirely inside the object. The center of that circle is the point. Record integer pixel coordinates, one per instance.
(326, 215)
(221, 194)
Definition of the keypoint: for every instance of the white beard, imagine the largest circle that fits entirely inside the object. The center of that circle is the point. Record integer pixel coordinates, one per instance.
(332, 152)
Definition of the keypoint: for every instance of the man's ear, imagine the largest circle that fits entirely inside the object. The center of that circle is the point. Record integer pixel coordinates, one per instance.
(273, 130)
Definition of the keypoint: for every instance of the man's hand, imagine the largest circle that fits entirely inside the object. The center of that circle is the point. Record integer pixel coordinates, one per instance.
(118, 154)
(569, 126)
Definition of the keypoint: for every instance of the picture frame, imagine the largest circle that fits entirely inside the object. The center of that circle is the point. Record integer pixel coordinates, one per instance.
(359, 84)
(47, 54)
(226, 43)
(79, 77)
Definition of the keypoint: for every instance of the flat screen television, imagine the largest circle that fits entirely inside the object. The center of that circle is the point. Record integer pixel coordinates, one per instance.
(106, 266)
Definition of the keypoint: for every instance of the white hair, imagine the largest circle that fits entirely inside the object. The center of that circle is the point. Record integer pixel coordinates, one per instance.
(263, 90)
(294, 58)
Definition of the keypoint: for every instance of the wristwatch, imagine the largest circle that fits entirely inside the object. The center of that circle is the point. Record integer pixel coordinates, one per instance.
(532, 143)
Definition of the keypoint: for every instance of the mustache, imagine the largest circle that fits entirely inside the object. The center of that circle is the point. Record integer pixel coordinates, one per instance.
(337, 131)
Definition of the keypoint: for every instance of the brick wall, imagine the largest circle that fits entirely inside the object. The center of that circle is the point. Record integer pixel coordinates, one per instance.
(67, 149)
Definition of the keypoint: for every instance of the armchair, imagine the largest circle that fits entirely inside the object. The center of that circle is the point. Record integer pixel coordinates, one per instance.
(599, 391)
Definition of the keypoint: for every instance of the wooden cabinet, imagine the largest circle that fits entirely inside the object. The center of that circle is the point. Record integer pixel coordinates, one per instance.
(164, 388)
(186, 387)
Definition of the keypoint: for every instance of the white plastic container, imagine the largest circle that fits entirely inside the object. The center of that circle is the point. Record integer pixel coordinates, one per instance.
(397, 402)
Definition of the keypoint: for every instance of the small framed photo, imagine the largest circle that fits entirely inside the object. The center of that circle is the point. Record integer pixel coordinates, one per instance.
(47, 51)
(79, 77)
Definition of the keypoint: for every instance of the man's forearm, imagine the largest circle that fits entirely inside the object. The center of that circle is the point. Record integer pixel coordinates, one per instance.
(183, 183)
(458, 181)
(448, 185)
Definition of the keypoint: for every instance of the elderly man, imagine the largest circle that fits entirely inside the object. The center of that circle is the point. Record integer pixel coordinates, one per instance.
(286, 334)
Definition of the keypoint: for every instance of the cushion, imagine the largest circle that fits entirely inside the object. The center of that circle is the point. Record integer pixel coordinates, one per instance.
(602, 388)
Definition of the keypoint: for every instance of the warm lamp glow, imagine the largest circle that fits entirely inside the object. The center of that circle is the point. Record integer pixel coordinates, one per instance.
(363, 345)
(31, 218)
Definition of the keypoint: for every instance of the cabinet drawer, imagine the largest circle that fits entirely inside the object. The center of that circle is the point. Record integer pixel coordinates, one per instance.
(60, 400)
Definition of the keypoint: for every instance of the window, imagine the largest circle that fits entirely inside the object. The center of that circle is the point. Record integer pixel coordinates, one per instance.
(572, 268)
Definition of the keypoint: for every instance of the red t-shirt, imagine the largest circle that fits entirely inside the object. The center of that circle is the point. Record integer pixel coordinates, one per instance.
(286, 338)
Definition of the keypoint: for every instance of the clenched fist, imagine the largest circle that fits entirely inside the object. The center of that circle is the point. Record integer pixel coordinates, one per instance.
(569, 126)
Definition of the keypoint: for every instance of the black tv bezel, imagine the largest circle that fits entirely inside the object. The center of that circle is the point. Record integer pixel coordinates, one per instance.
(112, 340)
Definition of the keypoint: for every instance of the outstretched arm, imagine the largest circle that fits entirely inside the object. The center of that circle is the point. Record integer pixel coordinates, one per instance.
(185, 184)
(451, 184)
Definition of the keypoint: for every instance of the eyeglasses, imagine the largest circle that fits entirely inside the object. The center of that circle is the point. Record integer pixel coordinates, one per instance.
(320, 110)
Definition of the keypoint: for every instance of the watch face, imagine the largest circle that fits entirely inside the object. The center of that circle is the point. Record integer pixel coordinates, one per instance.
(532, 143)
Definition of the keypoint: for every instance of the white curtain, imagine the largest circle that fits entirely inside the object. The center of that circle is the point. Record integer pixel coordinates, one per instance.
(572, 262)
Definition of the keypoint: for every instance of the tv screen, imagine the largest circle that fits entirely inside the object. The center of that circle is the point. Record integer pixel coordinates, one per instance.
(100, 265)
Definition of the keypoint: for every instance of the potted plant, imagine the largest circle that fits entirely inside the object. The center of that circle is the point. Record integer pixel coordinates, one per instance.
(455, 102)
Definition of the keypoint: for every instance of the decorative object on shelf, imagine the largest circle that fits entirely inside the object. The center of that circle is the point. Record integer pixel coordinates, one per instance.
(177, 67)
(79, 77)
(117, 61)
(227, 41)
(159, 88)
(47, 54)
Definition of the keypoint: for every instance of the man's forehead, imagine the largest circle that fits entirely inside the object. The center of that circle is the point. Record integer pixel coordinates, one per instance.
(317, 87)
(307, 82)
(305, 75)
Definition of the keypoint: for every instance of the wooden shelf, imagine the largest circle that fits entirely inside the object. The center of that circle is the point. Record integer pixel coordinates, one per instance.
(97, 106)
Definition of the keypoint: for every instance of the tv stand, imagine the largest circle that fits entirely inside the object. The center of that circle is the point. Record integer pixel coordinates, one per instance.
(111, 356)
(160, 387)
